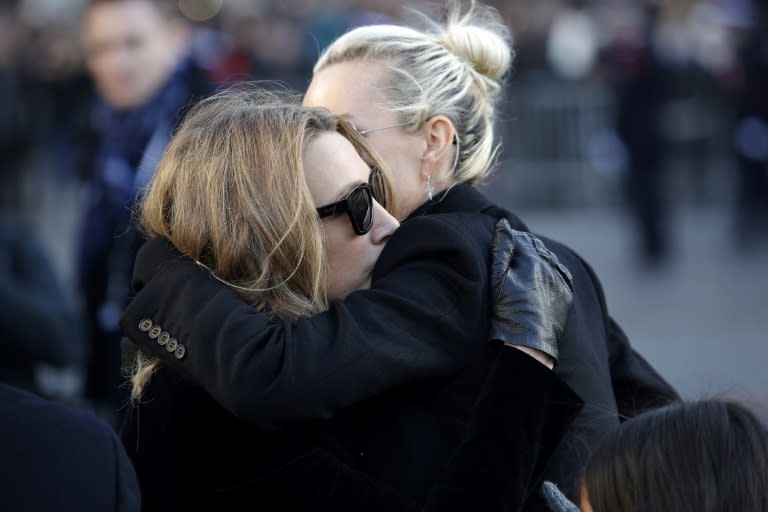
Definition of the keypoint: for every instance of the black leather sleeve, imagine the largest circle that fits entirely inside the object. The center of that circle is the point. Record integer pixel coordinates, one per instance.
(532, 291)
(426, 312)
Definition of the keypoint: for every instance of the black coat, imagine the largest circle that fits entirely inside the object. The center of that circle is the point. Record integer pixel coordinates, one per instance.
(58, 458)
(420, 334)
(595, 358)
(449, 428)
(191, 454)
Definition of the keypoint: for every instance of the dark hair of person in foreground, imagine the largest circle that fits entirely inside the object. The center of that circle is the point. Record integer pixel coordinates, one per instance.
(709, 455)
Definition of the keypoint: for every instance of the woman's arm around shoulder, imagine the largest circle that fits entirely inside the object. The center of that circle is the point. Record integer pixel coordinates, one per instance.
(425, 313)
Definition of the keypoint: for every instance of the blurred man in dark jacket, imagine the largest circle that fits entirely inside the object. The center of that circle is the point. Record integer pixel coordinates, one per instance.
(137, 54)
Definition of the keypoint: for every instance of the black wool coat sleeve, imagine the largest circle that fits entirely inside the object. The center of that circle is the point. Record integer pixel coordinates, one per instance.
(425, 315)
(421, 402)
(595, 357)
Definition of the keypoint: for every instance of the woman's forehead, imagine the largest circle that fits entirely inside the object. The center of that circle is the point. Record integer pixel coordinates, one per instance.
(332, 166)
(350, 89)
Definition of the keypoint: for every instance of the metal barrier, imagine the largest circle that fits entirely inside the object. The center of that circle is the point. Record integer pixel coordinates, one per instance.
(560, 148)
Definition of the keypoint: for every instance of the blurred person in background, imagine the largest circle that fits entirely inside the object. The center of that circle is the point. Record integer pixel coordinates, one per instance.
(278, 47)
(39, 326)
(749, 90)
(705, 456)
(638, 80)
(14, 134)
(55, 98)
(137, 54)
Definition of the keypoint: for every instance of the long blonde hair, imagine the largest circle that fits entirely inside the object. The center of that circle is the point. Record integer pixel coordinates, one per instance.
(455, 68)
(230, 193)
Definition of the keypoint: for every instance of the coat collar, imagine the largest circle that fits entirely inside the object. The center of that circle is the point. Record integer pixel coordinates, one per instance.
(465, 198)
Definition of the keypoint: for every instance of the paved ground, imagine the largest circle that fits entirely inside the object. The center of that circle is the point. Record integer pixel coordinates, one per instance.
(702, 320)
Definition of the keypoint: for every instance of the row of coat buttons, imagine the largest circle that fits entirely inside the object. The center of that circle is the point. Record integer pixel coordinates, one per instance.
(163, 339)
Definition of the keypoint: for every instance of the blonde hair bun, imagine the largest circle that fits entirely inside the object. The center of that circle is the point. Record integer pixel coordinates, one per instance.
(480, 38)
(487, 52)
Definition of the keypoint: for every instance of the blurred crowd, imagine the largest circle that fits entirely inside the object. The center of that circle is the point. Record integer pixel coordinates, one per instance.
(89, 98)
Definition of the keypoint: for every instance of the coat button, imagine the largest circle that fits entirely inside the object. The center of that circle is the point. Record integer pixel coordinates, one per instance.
(145, 325)
(172, 344)
(163, 338)
(155, 331)
(180, 352)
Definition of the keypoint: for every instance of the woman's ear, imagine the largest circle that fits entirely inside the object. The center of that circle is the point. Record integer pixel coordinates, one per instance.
(439, 134)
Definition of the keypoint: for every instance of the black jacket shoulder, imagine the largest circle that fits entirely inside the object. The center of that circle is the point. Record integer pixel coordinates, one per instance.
(59, 458)
(596, 359)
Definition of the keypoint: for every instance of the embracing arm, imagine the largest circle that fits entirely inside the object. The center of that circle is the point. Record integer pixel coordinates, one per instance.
(426, 313)
(523, 409)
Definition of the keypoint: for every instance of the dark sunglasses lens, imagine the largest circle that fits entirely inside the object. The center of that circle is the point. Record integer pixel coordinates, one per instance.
(378, 189)
(360, 208)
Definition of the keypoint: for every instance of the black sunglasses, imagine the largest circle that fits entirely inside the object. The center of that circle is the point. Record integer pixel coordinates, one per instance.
(358, 204)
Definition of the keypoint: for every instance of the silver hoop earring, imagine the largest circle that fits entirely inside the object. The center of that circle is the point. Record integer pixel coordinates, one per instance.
(429, 189)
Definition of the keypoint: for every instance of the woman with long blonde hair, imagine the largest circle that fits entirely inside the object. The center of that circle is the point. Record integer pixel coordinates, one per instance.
(235, 191)
(241, 190)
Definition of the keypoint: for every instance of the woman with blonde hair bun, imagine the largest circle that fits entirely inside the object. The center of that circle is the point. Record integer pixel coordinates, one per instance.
(413, 351)
(445, 81)
(427, 100)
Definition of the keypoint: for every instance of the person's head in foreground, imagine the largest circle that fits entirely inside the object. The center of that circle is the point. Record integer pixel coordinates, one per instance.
(425, 99)
(284, 203)
(706, 456)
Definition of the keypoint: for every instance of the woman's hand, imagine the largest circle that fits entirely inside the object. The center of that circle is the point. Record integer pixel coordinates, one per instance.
(532, 294)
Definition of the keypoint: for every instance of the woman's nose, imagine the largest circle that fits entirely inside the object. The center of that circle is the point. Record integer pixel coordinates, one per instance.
(384, 224)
